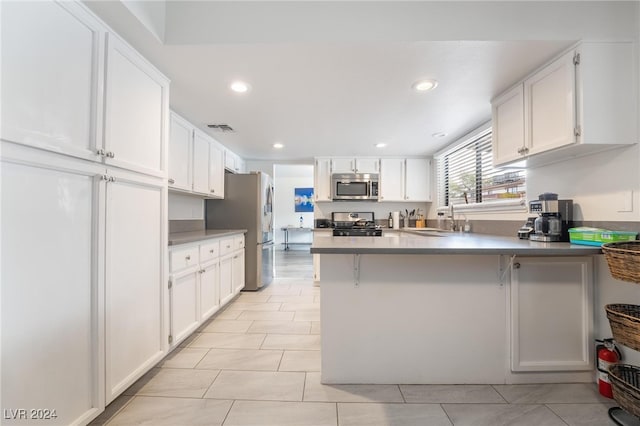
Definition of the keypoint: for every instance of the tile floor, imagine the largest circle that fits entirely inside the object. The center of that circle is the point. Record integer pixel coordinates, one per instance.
(257, 363)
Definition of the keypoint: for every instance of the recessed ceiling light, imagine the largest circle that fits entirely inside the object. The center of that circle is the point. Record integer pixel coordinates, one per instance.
(239, 87)
(381, 145)
(439, 135)
(278, 145)
(424, 85)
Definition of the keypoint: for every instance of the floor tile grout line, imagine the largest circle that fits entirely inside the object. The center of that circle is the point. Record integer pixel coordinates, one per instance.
(233, 401)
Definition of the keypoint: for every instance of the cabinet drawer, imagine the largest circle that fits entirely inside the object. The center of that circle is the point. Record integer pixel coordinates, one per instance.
(226, 246)
(209, 251)
(238, 242)
(183, 258)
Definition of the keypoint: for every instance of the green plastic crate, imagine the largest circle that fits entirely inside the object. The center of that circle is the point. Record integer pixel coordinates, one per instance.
(596, 236)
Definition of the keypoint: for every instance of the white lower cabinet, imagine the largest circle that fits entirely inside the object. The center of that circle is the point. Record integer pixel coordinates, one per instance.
(226, 289)
(183, 299)
(134, 265)
(209, 289)
(551, 314)
(93, 307)
(52, 338)
(205, 275)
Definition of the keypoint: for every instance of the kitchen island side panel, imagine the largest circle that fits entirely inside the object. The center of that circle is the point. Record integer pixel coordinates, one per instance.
(413, 319)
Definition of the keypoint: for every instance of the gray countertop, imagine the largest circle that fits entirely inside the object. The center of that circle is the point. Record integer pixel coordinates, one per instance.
(433, 242)
(176, 238)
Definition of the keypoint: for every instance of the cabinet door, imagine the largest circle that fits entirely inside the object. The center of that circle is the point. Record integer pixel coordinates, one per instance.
(343, 165)
(418, 179)
(216, 171)
(183, 305)
(135, 251)
(550, 106)
(237, 274)
(180, 161)
(136, 111)
(226, 283)
(230, 161)
(209, 290)
(551, 314)
(508, 126)
(322, 179)
(367, 165)
(391, 179)
(51, 70)
(51, 291)
(201, 144)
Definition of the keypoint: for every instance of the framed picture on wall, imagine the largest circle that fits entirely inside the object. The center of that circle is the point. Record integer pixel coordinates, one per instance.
(303, 199)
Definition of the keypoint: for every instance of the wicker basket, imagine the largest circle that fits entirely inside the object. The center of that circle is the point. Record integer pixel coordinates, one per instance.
(624, 260)
(625, 381)
(625, 324)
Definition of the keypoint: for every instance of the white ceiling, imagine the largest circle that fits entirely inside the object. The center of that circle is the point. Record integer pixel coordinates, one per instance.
(334, 78)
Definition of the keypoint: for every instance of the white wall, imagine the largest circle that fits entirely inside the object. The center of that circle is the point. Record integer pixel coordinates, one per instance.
(184, 206)
(152, 14)
(380, 210)
(598, 184)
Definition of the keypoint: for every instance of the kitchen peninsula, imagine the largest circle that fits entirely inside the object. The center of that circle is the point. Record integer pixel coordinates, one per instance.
(446, 308)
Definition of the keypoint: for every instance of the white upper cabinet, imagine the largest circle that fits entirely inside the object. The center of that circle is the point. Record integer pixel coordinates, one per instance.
(355, 165)
(201, 143)
(508, 126)
(418, 179)
(582, 102)
(322, 179)
(233, 162)
(550, 106)
(136, 100)
(196, 160)
(216, 171)
(405, 179)
(180, 161)
(52, 62)
(392, 179)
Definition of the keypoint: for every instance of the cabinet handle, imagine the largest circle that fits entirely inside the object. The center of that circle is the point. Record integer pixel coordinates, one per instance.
(235, 257)
(101, 152)
(228, 246)
(211, 251)
(212, 191)
(187, 257)
(172, 181)
(112, 179)
(110, 154)
(516, 265)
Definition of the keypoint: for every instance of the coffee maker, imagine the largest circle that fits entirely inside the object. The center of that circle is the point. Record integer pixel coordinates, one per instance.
(555, 217)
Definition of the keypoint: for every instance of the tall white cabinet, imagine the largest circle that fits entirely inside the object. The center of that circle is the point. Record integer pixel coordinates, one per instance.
(83, 163)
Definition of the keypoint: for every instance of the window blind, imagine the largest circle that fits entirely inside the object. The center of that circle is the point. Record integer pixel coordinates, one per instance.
(466, 175)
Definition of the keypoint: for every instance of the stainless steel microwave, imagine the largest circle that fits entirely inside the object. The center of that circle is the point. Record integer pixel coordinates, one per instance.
(354, 186)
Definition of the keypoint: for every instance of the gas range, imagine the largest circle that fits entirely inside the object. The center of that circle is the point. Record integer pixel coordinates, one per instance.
(357, 232)
(355, 224)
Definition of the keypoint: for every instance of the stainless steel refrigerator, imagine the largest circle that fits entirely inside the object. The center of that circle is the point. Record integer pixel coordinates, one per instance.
(248, 204)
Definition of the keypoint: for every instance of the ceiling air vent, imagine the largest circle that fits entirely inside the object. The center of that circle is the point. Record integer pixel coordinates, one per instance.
(221, 128)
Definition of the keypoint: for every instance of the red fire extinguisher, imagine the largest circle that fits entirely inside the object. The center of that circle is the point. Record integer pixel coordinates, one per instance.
(608, 354)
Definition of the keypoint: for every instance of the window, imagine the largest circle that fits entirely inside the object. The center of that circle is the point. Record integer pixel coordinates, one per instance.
(466, 176)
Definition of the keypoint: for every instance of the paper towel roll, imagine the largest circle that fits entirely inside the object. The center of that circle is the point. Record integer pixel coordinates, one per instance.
(396, 220)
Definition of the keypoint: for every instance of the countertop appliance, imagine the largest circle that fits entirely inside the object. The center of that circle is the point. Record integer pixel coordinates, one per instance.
(323, 223)
(555, 217)
(527, 229)
(248, 204)
(355, 224)
(354, 186)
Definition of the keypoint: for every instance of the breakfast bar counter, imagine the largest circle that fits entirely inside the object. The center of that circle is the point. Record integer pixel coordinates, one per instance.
(460, 308)
(430, 241)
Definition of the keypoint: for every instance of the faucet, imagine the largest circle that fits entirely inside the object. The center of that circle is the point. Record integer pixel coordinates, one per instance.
(452, 218)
